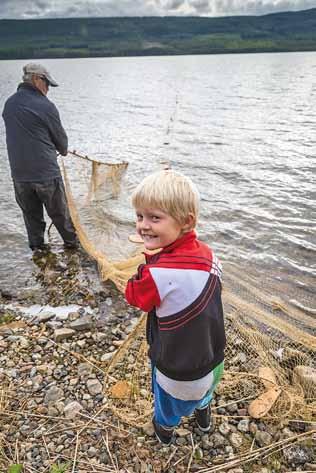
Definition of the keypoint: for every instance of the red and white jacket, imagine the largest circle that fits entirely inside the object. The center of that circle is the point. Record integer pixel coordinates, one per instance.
(180, 287)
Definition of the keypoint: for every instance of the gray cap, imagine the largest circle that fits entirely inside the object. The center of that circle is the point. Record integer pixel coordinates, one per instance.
(40, 70)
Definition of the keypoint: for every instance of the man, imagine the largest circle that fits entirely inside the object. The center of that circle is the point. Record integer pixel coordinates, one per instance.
(34, 135)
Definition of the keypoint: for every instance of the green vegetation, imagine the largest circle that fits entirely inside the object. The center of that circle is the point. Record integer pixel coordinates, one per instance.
(60, 468)
(55, 468)
(135, 36)
(16, 468)
(6, 318)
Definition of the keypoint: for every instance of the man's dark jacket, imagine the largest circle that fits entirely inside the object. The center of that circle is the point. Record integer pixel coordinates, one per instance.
(34, 132)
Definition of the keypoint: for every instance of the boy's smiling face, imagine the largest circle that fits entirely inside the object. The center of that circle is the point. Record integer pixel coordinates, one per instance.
(157, 228)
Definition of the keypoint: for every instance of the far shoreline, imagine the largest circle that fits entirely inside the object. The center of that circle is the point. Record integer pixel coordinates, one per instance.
(141, 55)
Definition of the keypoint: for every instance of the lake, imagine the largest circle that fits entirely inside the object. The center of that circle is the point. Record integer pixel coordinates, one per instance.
(242, 126)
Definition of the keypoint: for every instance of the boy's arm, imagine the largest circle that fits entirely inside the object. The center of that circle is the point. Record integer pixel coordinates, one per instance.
(141, 290)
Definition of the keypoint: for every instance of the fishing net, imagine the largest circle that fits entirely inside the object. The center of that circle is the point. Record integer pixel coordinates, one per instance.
(270, 364)
(97, 203)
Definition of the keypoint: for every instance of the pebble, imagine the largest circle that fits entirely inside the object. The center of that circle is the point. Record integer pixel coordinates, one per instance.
(263, 438)
(64, 392)
(243, 425)
(236, 440)
(224, 428)
(107, 357)
(53, 395)
(94, 387)
(298, 455)
(63, 334)
(72, 409)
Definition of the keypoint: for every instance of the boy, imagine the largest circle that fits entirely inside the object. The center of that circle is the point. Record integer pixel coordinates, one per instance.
(180, 289)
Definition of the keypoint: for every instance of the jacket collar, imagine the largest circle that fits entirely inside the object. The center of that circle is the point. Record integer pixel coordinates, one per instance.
(187, 238)
(28, 86)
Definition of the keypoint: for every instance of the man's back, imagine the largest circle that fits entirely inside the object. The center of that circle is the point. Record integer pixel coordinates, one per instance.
(34, 132)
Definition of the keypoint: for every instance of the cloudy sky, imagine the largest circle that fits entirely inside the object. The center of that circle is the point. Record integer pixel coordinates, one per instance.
(24, 9)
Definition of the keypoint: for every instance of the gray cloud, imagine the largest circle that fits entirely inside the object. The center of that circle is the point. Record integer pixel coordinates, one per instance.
(82, 8)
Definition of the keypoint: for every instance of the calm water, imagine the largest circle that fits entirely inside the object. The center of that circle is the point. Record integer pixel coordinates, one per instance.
(242, 126)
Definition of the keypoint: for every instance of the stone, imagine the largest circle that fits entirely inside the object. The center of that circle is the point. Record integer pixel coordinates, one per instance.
(240, 358)
(45, 369)
(63, 333)
(183, 432)
(52, 411)
(263, 438)
(94, 386)
(148, 429)
(83, 323)
(109, 301)
(72, 409)
(53, 394)
(62, 317)
(43, 317)
(297, 454)
(306, 377)
(218, 440)
(73, 381)
(60, 406)
(107, 356)
(84, 370)
(224, 428)
(243, 425)
(253, 428)
(73, 316)
(310, 466)
(232, 408)
(236, 439)
(92, 452)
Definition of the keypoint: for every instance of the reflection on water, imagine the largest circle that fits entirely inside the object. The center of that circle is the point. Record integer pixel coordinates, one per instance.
(242, 126)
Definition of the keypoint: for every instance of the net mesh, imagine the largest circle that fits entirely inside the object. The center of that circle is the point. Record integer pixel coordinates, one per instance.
(270, 354)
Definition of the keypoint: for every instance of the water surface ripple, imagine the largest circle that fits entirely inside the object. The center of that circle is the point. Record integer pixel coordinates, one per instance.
(242, 126)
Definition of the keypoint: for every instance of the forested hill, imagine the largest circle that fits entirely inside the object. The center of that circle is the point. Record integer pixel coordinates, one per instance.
(139, 36)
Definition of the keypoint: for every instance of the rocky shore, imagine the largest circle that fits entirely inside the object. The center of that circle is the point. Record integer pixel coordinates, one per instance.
(56, 341)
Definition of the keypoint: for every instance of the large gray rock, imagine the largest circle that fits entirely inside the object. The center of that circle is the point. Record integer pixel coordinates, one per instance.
(43, 317)
(84, 323)
(63, 334)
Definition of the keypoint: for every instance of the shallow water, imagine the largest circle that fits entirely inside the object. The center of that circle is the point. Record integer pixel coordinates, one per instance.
(242, 126)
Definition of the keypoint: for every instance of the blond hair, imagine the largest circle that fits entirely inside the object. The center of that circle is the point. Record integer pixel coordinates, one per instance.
(171, 192)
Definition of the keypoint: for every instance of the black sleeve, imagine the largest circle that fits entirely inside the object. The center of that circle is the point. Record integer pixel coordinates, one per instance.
(57, 132)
